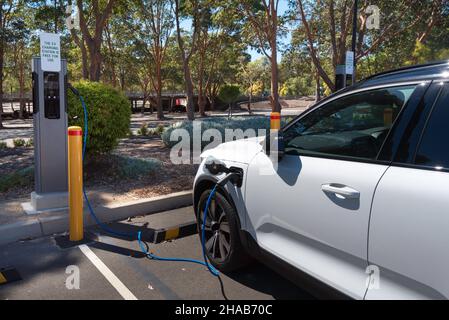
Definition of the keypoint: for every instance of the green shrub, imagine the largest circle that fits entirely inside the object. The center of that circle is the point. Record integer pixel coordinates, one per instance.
(229, 93)
(20, 178)
(158, 130)
(29, 143)
(19, 142)
(109, 114)
(143, 130)
(135, 167)
(3, 145)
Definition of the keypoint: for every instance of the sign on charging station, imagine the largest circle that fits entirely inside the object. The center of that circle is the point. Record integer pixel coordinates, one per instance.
(49, 79)
(50, 45)
(349, 67)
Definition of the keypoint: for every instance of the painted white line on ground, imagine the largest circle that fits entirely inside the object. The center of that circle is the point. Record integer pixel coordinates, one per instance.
(107, 273)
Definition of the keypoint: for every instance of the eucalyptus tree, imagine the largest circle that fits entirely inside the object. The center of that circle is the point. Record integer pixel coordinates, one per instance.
(155, 22)
(20, 55)
(93, 17)
(8, 32)
(225, 68)
(120, 61)
(396, 19)
(263, 25)
(182, 8)
(218, 40)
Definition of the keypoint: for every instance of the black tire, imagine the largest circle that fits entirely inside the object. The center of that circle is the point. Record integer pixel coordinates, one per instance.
(224, 219)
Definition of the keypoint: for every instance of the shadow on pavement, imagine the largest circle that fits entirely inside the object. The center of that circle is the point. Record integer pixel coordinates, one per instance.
(261, 278)
(255, 276)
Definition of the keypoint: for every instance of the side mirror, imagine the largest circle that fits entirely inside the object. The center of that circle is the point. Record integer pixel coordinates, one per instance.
(273, 145)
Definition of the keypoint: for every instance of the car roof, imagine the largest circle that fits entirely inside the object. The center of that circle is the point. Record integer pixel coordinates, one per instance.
(428, 71)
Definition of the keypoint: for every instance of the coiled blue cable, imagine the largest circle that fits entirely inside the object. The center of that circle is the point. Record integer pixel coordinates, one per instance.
(131, 235)
(206, 263)
(203, 233)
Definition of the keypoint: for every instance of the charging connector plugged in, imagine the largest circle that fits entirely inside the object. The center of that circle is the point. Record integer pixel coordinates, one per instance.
(233, 174)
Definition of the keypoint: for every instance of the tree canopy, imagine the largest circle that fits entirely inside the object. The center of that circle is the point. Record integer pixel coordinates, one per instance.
(200, 46)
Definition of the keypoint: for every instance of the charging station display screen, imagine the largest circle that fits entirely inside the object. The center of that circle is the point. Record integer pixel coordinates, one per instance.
(51, 95)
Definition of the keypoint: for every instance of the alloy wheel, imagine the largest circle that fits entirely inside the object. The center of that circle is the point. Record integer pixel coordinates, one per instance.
(217, 233)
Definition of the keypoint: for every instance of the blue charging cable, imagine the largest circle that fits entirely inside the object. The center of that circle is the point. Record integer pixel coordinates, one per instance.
(148, 254)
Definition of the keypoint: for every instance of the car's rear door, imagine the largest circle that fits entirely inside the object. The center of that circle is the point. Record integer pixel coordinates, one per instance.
(313, 209)
(409, 228)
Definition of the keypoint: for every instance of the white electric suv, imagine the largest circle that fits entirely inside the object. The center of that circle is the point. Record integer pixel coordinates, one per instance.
(360, 199)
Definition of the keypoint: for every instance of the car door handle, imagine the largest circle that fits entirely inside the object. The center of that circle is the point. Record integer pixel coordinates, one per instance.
(341, 190)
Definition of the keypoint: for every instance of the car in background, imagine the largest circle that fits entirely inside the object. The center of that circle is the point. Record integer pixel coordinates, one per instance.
(359, 201)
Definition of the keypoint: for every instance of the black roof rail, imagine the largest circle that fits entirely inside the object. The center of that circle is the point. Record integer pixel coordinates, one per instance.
(406, 68)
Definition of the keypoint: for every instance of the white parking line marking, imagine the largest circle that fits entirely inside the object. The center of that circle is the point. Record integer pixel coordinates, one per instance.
(107, 273)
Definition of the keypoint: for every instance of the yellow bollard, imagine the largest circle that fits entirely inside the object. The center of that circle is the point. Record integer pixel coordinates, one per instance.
(275, 121)
(75, 169)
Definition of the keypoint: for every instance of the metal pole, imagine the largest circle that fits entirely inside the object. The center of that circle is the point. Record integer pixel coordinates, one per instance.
(56, 18)
(75, 167)
(354, 37)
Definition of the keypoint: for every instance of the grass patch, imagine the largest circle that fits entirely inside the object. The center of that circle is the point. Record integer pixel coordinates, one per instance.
(21, 178)
(115, 168)
(135, 167)
(145, 131)
(19, 142)
(29, 143)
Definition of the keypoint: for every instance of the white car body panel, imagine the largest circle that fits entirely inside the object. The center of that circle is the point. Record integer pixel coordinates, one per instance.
(242, 151)
(409, 234)
(292, 217)
(330, 242)
(339, 220)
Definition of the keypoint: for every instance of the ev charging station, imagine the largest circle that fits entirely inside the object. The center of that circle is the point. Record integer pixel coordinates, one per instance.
(49, 77)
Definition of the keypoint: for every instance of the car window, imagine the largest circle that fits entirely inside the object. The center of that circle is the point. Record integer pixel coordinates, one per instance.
(433, 149)
(352, 126)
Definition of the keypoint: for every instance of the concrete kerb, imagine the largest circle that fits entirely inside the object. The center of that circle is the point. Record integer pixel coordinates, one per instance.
(58, 222)
(27, 229)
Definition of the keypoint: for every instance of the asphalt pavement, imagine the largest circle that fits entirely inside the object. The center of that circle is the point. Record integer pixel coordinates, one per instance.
(112, 267)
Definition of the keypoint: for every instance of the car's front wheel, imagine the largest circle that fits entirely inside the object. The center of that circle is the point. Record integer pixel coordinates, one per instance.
(222, 241)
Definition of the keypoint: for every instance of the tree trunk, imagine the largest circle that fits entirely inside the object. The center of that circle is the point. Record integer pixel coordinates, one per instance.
(160, 108)
(94, 42)
(250, 99)
(111, 58)
(21, 64)
(122, 80)
(185, 66)
(189, 92)
(94, 47)
(201, 99)
(81, 44)
(170, 107)
(202, 104)
(21, 99)
(84, 61)
(212, 102)
(317, 87)
(2, 56)
(276, 106)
